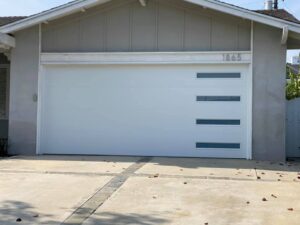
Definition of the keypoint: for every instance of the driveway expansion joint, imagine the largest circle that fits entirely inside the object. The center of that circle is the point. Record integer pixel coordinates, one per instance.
(59, 173)
(132, 174)
(98, 199)
(212, 178)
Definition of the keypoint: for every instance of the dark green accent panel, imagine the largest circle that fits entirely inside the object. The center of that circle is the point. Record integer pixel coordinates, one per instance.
(218, 98)
(217, 122)
(218, 75)
(218, 145)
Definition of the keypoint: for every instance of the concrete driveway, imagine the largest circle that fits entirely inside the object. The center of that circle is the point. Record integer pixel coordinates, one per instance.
(145, 191)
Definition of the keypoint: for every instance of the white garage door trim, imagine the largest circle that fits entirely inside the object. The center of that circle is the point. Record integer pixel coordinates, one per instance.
(232, 58)
(228, 57)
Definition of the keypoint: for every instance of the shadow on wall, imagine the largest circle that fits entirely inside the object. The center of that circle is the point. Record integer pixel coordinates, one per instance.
(129, 219)
(3, 128)
(16, 212)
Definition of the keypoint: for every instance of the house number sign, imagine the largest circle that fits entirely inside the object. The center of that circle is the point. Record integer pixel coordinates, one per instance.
(232, 57)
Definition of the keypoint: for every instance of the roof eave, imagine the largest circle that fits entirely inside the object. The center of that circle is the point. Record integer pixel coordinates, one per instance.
(7, 41)
(55, 13)
(212, 4)
(247, 14)
(293, 41)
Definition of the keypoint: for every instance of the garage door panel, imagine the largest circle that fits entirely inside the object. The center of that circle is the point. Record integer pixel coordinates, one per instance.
(208, 110)
(220, 91)
(220, 83)
(183, 76)
(221, 153)
(140, 110)
(217, 133)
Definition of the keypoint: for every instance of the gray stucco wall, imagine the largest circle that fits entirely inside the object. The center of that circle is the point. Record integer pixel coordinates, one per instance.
(164, 25)
(3, 122)
(159, 27)
(23, 85)
(269, 94)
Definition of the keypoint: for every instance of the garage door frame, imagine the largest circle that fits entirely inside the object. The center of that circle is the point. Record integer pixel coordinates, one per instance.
(144, 58)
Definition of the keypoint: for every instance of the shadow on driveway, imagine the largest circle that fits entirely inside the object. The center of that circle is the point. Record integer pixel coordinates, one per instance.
(17, 212)
(128, 219)
(190, 163)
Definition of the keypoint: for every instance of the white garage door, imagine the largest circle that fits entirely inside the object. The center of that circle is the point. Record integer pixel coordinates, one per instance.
(145, 110)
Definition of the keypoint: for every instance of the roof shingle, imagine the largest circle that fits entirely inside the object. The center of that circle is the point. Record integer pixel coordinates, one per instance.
(10, 19)
(280, 14)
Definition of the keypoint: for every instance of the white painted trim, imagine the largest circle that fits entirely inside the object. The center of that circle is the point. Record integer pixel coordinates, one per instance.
(250, 99)
(143, 3)
(63, 10)
(76, 6)
(247, 14)
(147, 58)
(39, 94)
(7, 40)
(285, 35)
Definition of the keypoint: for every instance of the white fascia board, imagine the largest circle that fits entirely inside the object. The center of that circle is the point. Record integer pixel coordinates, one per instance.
(247, 14)
(7, 40)
(51, 14)
(285, 35)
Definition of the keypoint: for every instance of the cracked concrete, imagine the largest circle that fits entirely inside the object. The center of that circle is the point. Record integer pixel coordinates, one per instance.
(123, 190)
(195, 201)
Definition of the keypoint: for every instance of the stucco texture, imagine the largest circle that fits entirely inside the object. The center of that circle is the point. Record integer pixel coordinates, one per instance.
(120, 27)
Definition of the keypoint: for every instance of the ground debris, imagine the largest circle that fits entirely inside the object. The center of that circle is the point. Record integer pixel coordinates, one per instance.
(264, 200)
(274, 196)
(154, 176)
(290, 209)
